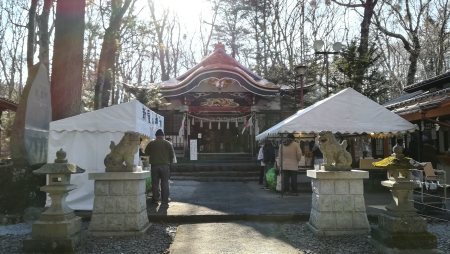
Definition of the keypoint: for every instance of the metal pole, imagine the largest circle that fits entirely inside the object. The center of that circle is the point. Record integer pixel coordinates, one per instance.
(295, 93)
(281, 165)
(301, 91)
(327, 72)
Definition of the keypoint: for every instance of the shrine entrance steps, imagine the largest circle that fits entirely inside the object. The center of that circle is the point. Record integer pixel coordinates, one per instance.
(217, 167)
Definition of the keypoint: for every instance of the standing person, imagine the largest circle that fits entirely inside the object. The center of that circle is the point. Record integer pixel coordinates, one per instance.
(268, 158)
(160, 152)
(261, 163)
(290, 154)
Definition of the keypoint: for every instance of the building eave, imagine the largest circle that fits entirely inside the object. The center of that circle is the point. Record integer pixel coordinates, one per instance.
(426, 84)
(217, 71)
(7, 104)
(221, 63)
(420, 98)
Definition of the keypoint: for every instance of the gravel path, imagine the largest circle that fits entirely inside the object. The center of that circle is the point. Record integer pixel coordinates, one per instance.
(159, 237)
(307, 243)
(156, 241)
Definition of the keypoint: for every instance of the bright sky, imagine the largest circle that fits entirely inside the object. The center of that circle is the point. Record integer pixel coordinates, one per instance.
(188, 11)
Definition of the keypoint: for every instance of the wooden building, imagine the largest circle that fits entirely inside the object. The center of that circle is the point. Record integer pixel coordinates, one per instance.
(5, 105)
(217, 107)
(427, 104)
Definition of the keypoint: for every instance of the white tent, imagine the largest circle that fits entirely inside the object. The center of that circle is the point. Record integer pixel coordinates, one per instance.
(86, 139)
(347, 112)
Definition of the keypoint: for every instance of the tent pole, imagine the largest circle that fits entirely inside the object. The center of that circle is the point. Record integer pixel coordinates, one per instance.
(281, 165)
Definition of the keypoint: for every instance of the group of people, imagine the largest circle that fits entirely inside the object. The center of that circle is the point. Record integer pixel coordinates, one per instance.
(288, 158)
(161, 155)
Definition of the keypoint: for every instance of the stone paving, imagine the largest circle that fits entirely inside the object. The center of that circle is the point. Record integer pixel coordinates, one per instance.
(232, 217)
(192, 198)
(241, 217)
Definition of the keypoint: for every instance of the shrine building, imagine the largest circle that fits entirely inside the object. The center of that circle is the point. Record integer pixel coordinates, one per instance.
(216, 108)
(427, 104)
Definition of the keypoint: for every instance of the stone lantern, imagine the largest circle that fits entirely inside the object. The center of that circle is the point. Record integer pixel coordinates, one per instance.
(57, 230)
(400, 229)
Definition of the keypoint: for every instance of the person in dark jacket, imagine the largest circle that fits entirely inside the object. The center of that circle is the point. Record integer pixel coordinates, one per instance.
(161, 153)
(268, 158)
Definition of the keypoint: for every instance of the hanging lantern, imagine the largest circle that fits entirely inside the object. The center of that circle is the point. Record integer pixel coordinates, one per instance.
(201, 123)
(210, 125)
(192, 121)
(228, 125)
(218, 125)
(236, 123)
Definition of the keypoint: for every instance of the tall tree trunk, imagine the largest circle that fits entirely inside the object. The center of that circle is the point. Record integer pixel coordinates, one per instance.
(108, 54)
(363, 48)
(31, 36)
(44, 34)
(412, 69)
(67, 65)
(264, 39)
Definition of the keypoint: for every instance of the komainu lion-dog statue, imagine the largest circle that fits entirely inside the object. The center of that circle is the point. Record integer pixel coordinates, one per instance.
(335, 155)
(121, 157)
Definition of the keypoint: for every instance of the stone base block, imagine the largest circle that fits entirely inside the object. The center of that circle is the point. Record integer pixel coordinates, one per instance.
(119, 204)
(402, 224)
(55, 229)
(140, 231)
(57, 245)
(338, 223)
(337, 206)
(403, 234)
(127, 224)
(403, 242)
(336, 232)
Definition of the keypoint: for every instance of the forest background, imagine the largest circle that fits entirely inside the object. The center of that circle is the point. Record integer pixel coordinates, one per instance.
(388, 44)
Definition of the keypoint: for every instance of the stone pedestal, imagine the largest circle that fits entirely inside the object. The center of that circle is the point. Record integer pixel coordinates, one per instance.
(338, 206)
(120, 206)
(400, 229)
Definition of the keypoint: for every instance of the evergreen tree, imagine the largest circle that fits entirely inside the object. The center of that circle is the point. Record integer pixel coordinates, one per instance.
(373, 83)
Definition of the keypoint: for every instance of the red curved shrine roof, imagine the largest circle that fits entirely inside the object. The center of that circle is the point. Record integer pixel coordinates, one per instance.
(218, 65)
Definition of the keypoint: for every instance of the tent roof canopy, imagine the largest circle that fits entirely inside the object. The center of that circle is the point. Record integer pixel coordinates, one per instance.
(130, 116)
(347, 112)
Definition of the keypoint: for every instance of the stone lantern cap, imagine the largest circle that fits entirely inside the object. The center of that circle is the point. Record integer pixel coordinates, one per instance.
(397, 166)
(60, 166)
(397, 161)
(392, 162)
